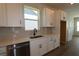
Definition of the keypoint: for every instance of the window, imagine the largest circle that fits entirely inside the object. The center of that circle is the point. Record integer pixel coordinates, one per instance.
(31, 16)
(77, 25)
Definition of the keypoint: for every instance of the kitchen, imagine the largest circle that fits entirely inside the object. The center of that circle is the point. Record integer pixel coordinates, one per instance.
(28, 29)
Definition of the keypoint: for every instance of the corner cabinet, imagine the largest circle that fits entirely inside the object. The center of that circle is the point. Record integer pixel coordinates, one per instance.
(48, 18)
(11, 15)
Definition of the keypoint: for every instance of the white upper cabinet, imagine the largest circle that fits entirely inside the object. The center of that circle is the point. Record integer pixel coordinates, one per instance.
(14, 15)
(3, 20)
(11, 15)
(48, 18)
(63, 15)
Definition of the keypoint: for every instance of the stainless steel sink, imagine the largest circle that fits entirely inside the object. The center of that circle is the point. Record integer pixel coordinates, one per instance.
(38, 36)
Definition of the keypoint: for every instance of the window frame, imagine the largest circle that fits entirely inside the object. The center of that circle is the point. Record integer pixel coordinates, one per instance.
(33, 8)
(77, 26)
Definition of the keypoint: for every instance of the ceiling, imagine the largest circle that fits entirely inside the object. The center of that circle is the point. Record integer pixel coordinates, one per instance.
(62, 5)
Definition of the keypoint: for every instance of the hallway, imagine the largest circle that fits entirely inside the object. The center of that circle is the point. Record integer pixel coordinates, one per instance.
(71, 49)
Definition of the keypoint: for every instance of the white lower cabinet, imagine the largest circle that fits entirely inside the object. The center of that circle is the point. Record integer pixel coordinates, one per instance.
(56, 42)
(34, 48)
(50, 45)
(41, 46)
(38, 46)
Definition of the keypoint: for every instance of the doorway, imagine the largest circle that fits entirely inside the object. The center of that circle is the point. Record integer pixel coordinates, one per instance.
(63, 32)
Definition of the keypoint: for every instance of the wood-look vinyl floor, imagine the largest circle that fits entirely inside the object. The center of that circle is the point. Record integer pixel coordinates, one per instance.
(70, 49)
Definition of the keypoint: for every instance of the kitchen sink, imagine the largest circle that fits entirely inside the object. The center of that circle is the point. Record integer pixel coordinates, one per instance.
(38, 36)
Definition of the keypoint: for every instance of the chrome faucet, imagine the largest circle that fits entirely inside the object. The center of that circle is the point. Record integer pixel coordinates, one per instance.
(34, 32)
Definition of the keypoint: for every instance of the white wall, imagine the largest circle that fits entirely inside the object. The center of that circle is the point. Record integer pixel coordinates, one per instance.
(71, 13)
(76, 19)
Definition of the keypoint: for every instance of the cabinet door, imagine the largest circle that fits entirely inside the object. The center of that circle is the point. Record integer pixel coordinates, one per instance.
(56, 42)
(3, 20)
(52, 22)
(44, 21)
(50, 44)
(48, 17)
(43, 46)
(34, 48)
(38, 47)
(14, 14)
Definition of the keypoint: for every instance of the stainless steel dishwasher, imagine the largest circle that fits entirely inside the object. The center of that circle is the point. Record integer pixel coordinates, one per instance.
(20, 49)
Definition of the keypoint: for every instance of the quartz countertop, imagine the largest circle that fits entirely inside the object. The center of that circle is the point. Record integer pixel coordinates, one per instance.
(10, 41)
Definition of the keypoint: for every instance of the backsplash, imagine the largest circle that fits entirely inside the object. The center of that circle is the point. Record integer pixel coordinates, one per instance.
(7, 32)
